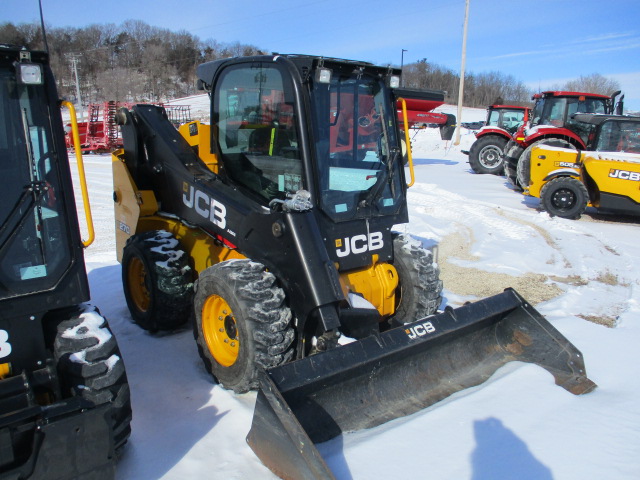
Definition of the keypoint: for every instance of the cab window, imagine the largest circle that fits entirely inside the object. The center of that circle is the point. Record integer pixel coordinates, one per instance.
(255, 120)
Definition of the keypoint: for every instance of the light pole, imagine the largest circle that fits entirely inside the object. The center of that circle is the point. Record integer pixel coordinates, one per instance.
(462, 65)
(402, 65)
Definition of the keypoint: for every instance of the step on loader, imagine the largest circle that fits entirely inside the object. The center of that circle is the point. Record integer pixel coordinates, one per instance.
(65, 408)
(274, 225)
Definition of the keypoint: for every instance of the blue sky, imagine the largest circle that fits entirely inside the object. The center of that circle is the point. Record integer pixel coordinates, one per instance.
(540, 42)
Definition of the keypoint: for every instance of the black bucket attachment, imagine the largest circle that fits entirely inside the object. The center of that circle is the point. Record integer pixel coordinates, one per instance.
(397, 373)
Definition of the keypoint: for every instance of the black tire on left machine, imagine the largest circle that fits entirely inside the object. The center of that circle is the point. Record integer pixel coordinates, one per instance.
(90, 366)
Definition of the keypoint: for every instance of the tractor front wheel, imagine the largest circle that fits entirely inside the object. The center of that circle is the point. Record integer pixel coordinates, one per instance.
(564, 197)
(241, 323)
(157, 280)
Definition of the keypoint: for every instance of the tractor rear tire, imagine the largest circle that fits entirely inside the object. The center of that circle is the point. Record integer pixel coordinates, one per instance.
(90, 366)
(511, 157)
(524, 164)
(486, 155)
(419, 291)
(242, 323)
(564, 197)
(157, 280)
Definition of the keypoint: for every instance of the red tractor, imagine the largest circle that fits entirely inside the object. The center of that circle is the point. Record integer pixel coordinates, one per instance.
(486, 153)
(551, 123)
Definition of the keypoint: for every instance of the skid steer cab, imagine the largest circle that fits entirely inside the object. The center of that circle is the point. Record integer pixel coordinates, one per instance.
(64, 397)
(607, 178)
(273, 224)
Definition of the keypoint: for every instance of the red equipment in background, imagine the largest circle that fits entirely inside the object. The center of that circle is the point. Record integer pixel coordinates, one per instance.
(101, 133)
(420, 104)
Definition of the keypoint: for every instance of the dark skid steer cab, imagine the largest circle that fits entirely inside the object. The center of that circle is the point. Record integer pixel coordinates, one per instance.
(65, 408)
(273, 224)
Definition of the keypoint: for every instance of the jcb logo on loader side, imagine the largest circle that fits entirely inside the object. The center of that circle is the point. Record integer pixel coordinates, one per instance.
(624, 175)
(359, 244)
(420, 330)
(204, 205)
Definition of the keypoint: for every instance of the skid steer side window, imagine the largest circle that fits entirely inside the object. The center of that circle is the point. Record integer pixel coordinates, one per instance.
(254, 117)
(34, 246)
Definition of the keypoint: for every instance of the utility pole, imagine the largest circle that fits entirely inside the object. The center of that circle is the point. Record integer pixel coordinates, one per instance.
(75, 59)
(462, 65)
(401, 66)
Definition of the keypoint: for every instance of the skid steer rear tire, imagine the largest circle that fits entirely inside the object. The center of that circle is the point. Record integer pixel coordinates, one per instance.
(241, 323)
(419, 291)
(157, 280)
(90, 366)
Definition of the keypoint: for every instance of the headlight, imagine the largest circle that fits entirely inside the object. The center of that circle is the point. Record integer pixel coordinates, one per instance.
(394, 81)
(30, 73)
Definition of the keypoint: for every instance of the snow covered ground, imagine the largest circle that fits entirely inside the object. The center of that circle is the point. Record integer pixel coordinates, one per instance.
(517, 425)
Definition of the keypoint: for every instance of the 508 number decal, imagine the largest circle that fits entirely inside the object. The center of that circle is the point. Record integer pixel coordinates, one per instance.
(420, 330)
(5, 346)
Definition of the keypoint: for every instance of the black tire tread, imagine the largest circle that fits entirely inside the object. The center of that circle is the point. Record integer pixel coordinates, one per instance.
(474, 154)
(420, 284)
(563, 182)
(171, 280)
(258, 302)
(90, 366)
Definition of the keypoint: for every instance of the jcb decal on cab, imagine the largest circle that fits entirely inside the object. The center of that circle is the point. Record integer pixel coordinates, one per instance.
(359, 244)
(624, 175)
(420, 330)
(204, 205)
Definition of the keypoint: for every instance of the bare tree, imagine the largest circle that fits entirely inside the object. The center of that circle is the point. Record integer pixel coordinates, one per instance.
(594, 83)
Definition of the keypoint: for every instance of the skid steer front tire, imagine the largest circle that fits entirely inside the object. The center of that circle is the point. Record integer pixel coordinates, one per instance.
(90, 366)
(157, 280)
(241, 323)
(419, 291)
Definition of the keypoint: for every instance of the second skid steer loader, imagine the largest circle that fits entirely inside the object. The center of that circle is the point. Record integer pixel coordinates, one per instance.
(274, 223)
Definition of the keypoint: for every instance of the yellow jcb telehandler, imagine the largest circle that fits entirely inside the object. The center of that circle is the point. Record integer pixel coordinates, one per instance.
(607, 178)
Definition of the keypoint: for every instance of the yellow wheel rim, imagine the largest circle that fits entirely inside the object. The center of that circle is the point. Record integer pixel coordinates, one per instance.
(220, 330)
(137, 276)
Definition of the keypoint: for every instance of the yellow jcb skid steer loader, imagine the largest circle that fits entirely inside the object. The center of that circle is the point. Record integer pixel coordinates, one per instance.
(275, 223)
